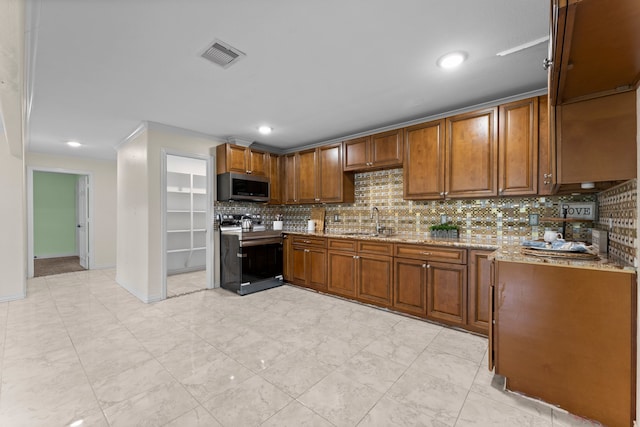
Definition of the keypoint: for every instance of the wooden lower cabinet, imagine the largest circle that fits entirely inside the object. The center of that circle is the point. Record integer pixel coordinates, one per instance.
(410, 286)
(341, 267)
(447, 293)
(568, 336)
(375, 275)
(308, 267)
(479, 280)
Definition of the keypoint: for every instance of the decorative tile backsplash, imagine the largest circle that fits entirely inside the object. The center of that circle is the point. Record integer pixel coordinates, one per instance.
(618, 215)
(496, 217)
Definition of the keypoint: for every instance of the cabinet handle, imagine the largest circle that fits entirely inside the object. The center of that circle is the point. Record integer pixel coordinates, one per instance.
(306, 250)
(317, 200)
(307, 241)
(356, 257)
(426, 253)
(500, 191)
(248, 172)
(546, 63)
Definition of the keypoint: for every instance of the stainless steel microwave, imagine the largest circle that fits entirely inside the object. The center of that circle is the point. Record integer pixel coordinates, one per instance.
(242, 187)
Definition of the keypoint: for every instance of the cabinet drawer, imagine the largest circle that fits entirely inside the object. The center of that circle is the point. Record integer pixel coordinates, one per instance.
(341, 245)
(367, 247)
(431, 253)
(318, 242)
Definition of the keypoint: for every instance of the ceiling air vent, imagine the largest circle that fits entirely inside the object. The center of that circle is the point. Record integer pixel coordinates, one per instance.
(222, 54)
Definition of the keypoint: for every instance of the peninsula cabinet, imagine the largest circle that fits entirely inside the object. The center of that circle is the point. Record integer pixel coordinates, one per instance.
(308, 262)
(382, 150)
(238, 159)
(518, 148)
(567, 335)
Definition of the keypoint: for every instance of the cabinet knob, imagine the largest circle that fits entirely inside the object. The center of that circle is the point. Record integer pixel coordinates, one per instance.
(306, 250)
(546, 175)
(356, 257)
(248, 172)
(317, 200)
(445, 193)
(546, 63)
(442, 193)
(428, 266)
(500, 191)
(424, 265)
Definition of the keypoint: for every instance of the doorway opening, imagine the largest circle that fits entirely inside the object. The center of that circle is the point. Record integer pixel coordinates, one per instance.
(59, 212)
(187, 206)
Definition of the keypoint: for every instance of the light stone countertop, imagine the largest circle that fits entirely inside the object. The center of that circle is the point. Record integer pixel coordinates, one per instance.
(505, 250)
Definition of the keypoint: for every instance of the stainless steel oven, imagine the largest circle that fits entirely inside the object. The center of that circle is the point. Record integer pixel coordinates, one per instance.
(251, 261)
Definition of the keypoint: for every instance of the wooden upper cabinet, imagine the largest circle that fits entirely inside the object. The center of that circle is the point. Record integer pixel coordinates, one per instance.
(518, 148)
(238, 159)
(306, 172)
(275, 179)
(424, 161)
(547, 175)
(596, 139)
(382, 150)
(356, 153)
(471, 154)
(318, 177)
(595, 48)
(289, 179)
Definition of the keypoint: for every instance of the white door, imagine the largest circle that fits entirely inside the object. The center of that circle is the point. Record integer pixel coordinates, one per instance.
(82, 215)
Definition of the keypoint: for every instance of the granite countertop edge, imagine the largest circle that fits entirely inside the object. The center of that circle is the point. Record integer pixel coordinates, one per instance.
(504, 251)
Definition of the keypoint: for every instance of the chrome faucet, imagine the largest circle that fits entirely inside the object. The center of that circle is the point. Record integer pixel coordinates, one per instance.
(379, 228)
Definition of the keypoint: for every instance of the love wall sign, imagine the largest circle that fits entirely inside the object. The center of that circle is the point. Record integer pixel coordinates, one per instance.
(579, 210)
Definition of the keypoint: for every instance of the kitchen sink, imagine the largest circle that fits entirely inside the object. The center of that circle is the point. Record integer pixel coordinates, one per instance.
(364, 233)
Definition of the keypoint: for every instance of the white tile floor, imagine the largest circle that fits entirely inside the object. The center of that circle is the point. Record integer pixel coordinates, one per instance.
(80, 347)
(184, 283)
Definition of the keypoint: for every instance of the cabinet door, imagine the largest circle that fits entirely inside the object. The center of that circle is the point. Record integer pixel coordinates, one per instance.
(447, 292)
(317, 268)
(375, 278)
(236, 159)
(479, 282)
(546, 148)
(597, 139)
(298, 265)
(330, 173)
(471, 155)
(307, 176)
(341, 269)
(356, 154)
(275, 172)
(410, 286)
(387, 148)
(424, 161)
(290, 179)
(258, 162)
(518, 148)
(287, 258)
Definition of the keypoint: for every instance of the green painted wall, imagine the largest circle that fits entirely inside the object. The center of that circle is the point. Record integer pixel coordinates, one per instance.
(54, 214)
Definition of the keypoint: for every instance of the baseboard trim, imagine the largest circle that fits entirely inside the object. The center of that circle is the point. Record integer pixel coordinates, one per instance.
(15, 297)
(135, 293)
(54, 256)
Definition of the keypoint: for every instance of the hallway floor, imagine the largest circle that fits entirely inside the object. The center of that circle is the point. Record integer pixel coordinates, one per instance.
(80, 347)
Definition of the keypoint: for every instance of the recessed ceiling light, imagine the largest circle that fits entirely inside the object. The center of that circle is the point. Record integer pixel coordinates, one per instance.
(74, 144)
(451, 60)
(265, 130)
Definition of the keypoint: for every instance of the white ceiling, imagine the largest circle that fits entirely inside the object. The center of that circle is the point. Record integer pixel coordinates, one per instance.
(315, 70)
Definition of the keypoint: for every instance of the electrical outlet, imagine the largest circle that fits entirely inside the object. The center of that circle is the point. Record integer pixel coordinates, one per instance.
(534, 219)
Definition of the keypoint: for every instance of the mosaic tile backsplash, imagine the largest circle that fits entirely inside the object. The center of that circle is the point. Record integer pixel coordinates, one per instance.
(496, 217)
(618, 215)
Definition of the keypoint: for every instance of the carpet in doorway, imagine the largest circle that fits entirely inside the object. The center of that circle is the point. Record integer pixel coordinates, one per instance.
(50, 266)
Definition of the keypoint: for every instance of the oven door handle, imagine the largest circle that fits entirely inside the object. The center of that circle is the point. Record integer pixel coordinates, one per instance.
(260, 242)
